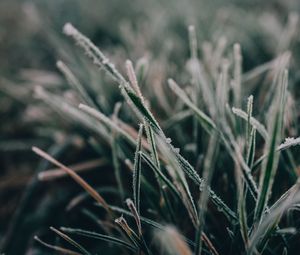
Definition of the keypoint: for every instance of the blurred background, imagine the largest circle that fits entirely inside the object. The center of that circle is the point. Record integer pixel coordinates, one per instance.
(31, 42)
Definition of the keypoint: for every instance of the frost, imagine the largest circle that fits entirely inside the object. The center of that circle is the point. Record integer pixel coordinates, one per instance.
(289, 142)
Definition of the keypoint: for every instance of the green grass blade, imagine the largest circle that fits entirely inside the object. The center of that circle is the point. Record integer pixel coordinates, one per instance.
(268, 173)
(151, 141)
(115, 151)
(206, 122)
(107, 121)
(195, 82)
(98, 236)
(251, 149)
(186, 194)
(208, 170)
(137, 168)
(270, 221)
(237, 56)
(289, 142)
(208, 125)
(193, 175)
(242, 212)
(146, 221)
(270, 166)
(141, 107)
(215, 199)
(93, 52)
(59, 104)
(160, 174)
(249, 115)
(254, 122)
(74, 82)
(99, 59)
(116, 164)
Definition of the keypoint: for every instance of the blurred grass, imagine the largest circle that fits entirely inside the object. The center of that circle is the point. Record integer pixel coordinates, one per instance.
(31, 42)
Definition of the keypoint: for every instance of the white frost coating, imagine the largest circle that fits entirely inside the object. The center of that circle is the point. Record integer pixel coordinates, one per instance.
(191, 28)
(68, 29)
(94, 53)
(255, 123)
(289, 142)
(168, 140)
(177, 150)
(106, 120)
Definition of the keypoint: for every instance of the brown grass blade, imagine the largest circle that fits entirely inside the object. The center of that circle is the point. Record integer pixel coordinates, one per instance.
(75, 176)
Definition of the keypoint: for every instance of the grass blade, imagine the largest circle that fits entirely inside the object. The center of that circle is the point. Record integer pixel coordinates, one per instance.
(70, 240)
(136, 240)
(209, 125)
(135, 214)
(137, 168)
(160, 174)
(237, 56)
(142, 108)
(99, 236)
(75, 176)
(100, 116)
(74, 82)
(204, 120)
(255, 123)
(93, 52)
(115, 152)
(116, 164)
(289, 142)
(56, 173)
(128, 231)
(172, 242)
(209, 162)
(145, 221)
(269, 168)
(249, 115)
(56, 248)
(251, 148)
(59, 104)
(99, 59)
(270, 221)
(190, 171)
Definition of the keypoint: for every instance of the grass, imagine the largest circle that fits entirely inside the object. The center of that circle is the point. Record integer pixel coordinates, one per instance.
(171, 169)
(201, 162)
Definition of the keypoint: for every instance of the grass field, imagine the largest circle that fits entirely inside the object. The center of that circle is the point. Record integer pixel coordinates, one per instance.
(149, 127)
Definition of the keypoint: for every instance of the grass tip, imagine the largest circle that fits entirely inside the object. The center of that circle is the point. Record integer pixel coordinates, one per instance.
(128, 201)
(191, 28)
(128, 62)
(171, 83)
(59, 63)
(35, 149)
(237, 48)
(38, 91)
(82, 106)
(68, 29)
